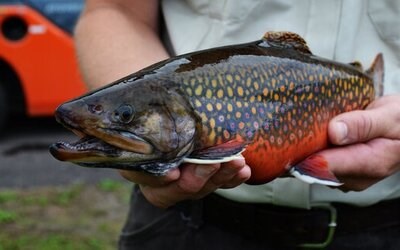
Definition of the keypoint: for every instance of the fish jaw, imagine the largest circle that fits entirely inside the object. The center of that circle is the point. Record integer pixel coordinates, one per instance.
(97, 144)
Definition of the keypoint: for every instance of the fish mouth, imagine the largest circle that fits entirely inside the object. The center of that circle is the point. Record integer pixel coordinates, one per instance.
(96, 145)
(86, 149)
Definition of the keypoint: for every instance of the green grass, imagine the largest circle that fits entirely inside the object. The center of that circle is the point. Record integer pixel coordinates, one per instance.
(73, 217)
(7, 216)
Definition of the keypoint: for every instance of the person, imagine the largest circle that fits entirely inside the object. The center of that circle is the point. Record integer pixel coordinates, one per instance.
(209, 206)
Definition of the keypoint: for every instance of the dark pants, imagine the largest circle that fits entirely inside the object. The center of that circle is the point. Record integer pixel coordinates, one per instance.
(187, 226)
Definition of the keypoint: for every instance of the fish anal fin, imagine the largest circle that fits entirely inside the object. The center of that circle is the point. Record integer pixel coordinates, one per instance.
(220, 153)
(286, 40)
(314, 169)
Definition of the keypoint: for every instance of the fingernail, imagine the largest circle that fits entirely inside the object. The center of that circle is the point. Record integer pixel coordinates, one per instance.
(205, 171)
(341, 131)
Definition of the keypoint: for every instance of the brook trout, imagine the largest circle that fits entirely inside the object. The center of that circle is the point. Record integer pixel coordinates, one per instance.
(269, 100)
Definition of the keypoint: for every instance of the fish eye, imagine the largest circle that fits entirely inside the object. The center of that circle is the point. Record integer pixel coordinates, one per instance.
(124, 113)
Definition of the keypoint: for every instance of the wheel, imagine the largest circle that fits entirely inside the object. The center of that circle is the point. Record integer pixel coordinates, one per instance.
(4, 110)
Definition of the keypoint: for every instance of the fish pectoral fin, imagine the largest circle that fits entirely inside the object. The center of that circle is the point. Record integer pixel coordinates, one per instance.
(217, 154)
(286, 40)
(314, 170)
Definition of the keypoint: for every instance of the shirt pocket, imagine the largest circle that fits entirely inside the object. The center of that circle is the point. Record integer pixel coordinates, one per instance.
(385, 16)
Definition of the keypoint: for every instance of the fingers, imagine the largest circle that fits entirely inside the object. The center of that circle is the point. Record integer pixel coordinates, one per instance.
(380, 119)
(231, 174)
(190, 185)
(196, 181)
(150, 180)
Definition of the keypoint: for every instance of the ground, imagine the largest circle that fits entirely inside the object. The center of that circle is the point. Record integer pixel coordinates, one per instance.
(47, 204)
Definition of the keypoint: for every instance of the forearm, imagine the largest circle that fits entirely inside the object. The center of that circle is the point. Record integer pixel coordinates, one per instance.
(114, 40)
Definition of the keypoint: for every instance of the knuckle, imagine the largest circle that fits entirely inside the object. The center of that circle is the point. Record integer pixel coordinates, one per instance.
(365, 127)
(155, 199)
(189, 188)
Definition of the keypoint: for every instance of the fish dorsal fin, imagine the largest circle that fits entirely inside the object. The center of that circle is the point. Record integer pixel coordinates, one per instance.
(357, 65)
(286, 40)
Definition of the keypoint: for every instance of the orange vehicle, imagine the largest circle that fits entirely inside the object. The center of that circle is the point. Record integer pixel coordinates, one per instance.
(38, 67)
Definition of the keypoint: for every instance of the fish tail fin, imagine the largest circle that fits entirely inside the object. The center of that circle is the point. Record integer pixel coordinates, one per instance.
(376, 72)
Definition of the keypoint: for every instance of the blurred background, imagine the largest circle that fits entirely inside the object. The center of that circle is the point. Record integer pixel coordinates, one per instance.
(44, 203)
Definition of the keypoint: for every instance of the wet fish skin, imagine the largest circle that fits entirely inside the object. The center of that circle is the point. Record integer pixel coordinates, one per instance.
(271, 98)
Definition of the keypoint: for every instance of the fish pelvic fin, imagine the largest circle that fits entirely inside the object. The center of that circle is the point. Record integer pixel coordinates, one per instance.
(286, 40)
(376, 72)
(314, 170)
(217, 154)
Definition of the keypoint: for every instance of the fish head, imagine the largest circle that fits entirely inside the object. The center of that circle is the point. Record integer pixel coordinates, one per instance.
(132, 125)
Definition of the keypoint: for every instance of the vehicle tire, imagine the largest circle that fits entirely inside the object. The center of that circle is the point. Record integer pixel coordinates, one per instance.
(4, 110)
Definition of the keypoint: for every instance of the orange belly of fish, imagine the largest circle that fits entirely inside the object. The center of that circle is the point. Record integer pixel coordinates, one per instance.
(269, 160)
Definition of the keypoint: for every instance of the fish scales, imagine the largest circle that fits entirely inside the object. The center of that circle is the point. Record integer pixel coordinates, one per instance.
(273, 102)
(271, 98)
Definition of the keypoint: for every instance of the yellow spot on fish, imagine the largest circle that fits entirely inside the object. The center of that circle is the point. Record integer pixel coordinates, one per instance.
(209, 93)
(255, 73)
(229, 107)
(256, 85)
(204, 116)
(199, 90)
(238, 115)
(220, 93)
(218, 106)
(229, 78)
(238, 104)
(240, 91)
(276, 97)
(248, 82)
(230, 91)
(214, 83)
(212, 136)
(209, 107)
(273, 82)
(197, 103)
(265, 91)
(212, 123)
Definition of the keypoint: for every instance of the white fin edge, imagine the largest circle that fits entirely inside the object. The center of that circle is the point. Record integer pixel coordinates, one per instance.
(312, 180)
(214, 161)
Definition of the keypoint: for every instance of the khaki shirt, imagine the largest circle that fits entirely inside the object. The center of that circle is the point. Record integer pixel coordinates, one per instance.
(345, 31)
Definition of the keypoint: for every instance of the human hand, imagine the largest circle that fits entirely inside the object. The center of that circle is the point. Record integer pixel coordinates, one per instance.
(370, 144)
(190, 181)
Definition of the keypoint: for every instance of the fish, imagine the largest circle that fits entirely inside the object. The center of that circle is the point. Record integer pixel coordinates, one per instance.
(269, 101)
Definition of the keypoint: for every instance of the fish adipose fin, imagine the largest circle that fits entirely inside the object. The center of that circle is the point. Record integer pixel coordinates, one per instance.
(314, 170)
(217, 154)
(357, 65)
(376, 72)
(286, 40)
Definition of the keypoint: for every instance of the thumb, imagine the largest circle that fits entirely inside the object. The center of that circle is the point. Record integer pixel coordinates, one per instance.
(357, 126)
